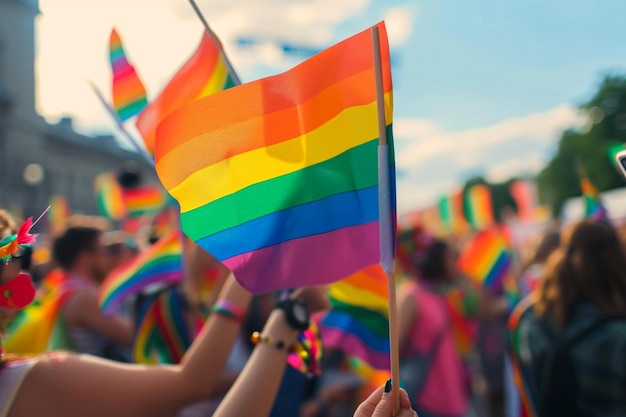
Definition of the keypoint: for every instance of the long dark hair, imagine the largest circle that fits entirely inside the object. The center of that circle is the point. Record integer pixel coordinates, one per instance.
(591, 265)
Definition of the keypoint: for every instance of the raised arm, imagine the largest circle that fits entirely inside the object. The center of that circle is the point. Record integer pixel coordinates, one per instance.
(67, 385)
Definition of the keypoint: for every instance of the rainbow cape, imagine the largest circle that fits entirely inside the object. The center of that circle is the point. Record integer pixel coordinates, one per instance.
(161, 333)
(358, 321)
(158, 265)
(286, 169)
(129, 93)
(205, 73)
(487, 259)
(38, 327)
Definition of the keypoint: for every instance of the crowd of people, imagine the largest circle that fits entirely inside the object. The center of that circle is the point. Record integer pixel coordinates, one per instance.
(555, 349)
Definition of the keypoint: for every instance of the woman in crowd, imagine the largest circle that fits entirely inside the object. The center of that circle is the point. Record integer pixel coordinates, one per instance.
(572, 334)
(431, 365)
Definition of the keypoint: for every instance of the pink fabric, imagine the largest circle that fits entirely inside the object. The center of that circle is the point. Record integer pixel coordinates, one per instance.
(445, 391)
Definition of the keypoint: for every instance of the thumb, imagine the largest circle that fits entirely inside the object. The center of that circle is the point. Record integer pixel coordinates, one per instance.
(384, 408)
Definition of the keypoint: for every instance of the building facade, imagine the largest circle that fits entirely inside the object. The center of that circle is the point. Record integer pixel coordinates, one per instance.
(39, 160)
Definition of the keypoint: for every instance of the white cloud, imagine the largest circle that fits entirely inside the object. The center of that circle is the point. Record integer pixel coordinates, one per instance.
(538, 127)
(434, 161)
(399, 23)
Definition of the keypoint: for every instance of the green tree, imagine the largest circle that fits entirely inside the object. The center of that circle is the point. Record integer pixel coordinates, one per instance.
(606, 113)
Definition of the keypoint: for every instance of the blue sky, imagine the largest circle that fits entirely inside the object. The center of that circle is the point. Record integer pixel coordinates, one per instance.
(481, 87)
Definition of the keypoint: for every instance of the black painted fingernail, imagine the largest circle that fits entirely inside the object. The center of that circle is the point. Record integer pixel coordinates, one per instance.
(388, 385)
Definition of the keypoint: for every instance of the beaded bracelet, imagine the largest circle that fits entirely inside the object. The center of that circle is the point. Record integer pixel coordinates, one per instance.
(229, 310)
(257, 338)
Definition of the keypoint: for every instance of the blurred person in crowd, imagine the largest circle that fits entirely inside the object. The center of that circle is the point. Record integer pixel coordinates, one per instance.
(572, 331)
(119, 248)
(81, 254)
(431, 366)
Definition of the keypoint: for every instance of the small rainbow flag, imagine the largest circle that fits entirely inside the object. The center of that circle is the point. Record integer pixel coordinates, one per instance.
(357, 322)
(281, 175)
(479, 207)
(161, 333)
(594, 210)
(451, 213)
(487, 258)
(129, 93)
(58, 213)
(205, 73)
(143, 200)
(159, 264)
(109, 196)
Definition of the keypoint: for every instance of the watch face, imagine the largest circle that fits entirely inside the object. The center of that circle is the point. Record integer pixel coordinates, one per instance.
(300, 313)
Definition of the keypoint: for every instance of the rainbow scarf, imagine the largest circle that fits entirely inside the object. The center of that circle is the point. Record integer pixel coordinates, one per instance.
(286, 169)
(129, 94)
(358, 321)
(158, 265)
(161, 333)
(487, 259)
(205, 73)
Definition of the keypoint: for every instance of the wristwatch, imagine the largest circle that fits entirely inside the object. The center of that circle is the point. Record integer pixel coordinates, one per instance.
(296, 313)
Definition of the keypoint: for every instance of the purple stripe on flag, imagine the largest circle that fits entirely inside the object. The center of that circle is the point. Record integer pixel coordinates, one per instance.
(312, 260)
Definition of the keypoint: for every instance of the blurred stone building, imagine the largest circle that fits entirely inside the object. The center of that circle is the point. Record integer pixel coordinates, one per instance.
(38, 160)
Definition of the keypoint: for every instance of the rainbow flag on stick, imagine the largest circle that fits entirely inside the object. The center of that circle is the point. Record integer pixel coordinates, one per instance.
(487, 259)
(129, 93)
(451, 213)
(594, 210)
(109, 195)
(143, 200)
(205, 73)
(358, 322)
(479, 207)
(286, 168)
(160, 264)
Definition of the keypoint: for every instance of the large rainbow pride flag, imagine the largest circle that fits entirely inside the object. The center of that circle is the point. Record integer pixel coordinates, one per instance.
(129, 93)
(205, 73)
(286, 169)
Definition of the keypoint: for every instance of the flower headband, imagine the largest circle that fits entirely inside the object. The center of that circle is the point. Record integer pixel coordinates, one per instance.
(21, 240)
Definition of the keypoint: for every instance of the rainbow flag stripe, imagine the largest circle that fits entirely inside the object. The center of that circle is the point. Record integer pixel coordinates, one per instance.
(451, 213)
(487, 259)
(143, 200)
(358, 321)
(479, 207)
(205, 73)
(159, 264)
(161, 333)
(286, 169)
(109, 196)
(129, 93)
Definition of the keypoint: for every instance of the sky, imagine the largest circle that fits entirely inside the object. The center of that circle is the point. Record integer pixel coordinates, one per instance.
(481, 87)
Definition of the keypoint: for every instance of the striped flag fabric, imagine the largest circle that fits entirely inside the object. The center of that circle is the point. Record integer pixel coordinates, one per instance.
(487, 259)
(358, 321)
(594, 210)
(286, 168)
(129, 93)
(451, 213)
(479, 207)
(205, 73)
(160, 264)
